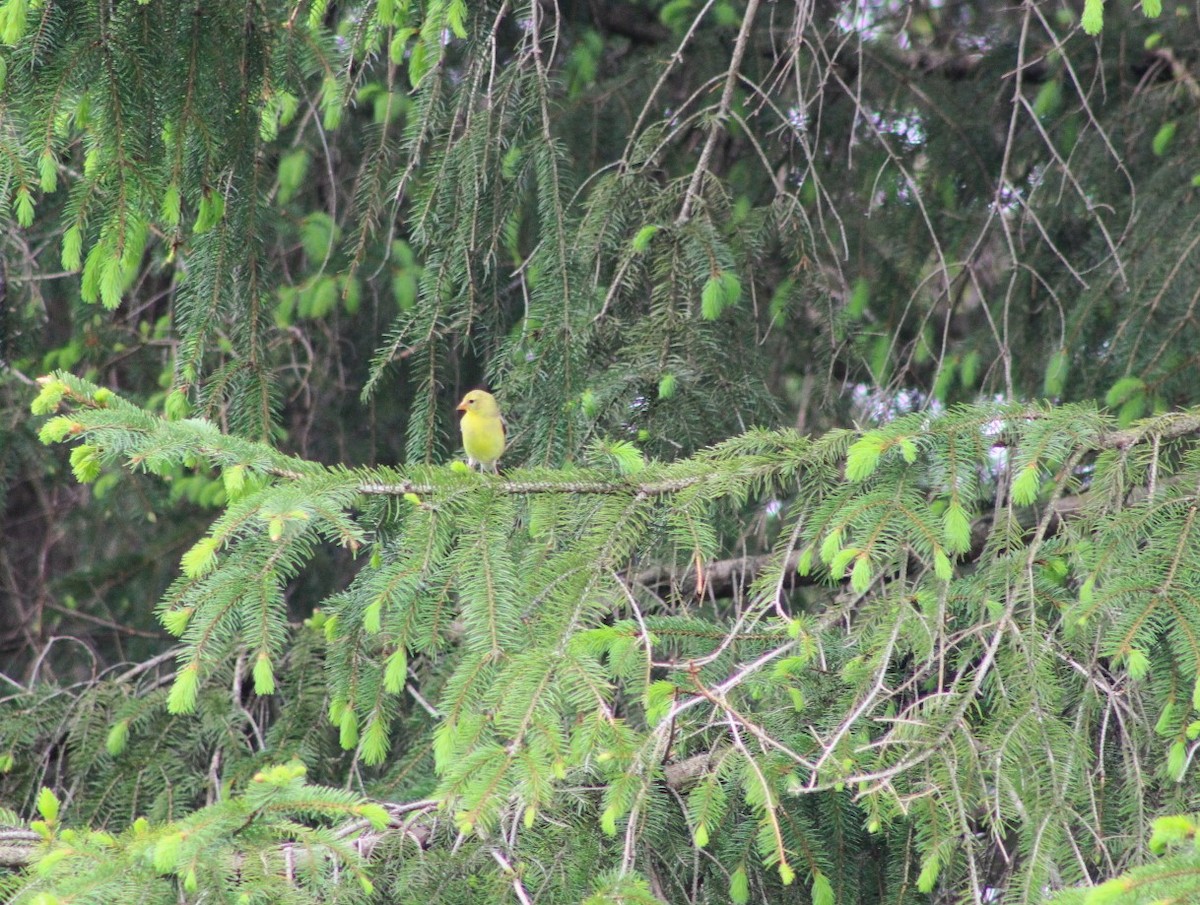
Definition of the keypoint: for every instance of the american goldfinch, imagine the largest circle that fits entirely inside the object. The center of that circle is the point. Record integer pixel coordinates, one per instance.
(482, 429)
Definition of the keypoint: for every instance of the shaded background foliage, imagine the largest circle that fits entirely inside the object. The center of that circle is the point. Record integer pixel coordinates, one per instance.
(319, 223)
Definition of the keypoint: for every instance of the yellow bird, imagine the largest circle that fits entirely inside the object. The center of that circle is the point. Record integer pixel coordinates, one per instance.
(482, 429)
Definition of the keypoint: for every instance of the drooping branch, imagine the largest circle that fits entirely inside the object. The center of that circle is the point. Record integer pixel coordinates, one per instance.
(700, 173)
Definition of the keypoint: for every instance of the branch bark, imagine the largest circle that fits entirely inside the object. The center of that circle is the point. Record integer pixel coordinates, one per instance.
(720, 578)
(17, 846)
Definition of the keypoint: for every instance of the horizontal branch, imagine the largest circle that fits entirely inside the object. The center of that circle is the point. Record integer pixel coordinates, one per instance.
(719, 578)
(1165, 427)
(415, 820)
(226, 451)
(523, 488)
(17, 846)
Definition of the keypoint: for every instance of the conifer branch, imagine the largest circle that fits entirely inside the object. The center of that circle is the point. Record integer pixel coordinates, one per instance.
(226, 451)
(700, 173)
(525, 488)
(518, 886)
(718, 578)
(412, 820)
(17, 846)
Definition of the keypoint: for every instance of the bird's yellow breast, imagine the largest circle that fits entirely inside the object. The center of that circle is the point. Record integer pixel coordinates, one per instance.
(483, 437)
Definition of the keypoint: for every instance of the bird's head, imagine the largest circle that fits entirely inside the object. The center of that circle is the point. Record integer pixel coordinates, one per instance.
(480, 402)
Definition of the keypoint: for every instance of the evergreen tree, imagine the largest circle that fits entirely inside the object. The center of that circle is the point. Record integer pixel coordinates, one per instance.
(844, 545)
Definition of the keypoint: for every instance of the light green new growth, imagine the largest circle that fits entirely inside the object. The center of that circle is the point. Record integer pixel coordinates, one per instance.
(538, 612)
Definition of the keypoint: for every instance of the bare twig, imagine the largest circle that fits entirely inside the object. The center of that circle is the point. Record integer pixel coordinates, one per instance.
(731, 79)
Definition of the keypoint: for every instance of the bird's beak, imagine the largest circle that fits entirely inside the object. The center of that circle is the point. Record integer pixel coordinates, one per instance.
(462, 407)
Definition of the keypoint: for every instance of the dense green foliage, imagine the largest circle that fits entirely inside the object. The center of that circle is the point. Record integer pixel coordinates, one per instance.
(844, 549)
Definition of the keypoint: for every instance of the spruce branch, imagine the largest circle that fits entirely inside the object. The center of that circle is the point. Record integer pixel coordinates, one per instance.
(411, 820)
(719, 578)
(17, 846)
(119, 427)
